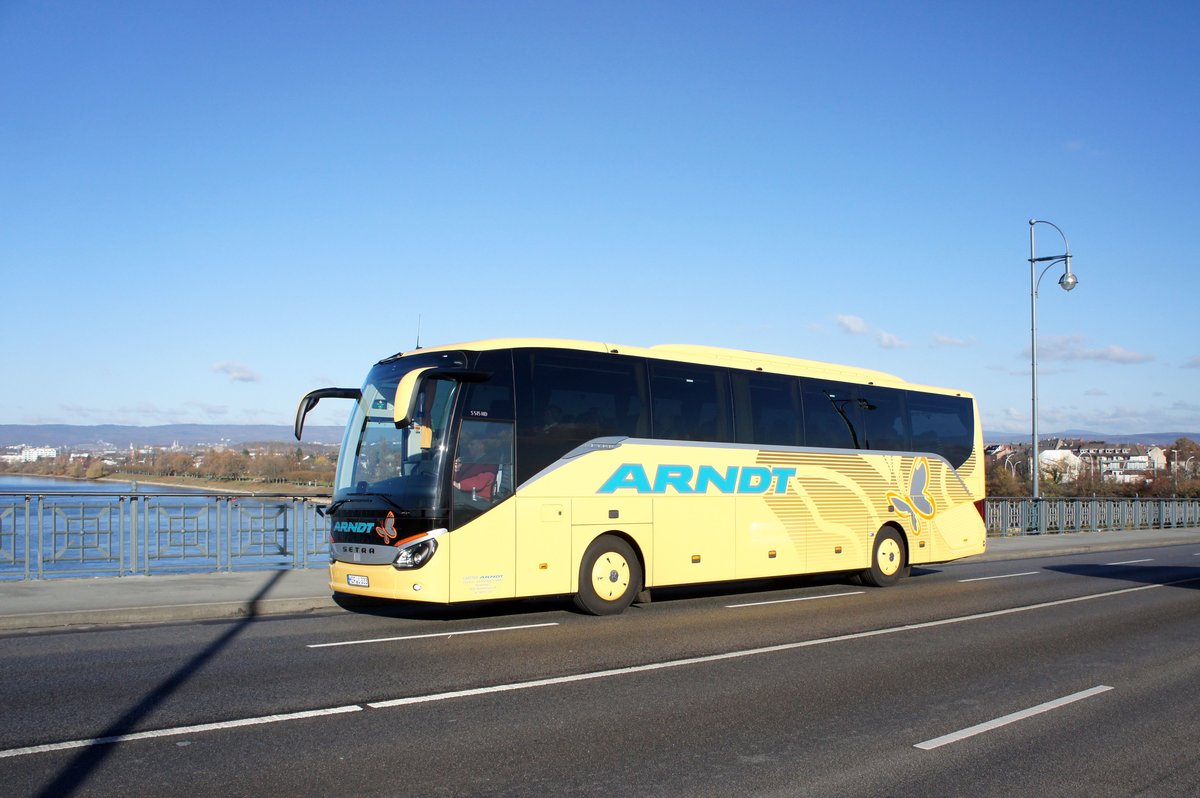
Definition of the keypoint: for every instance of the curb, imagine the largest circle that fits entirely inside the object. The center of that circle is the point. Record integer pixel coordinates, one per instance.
(210, 611)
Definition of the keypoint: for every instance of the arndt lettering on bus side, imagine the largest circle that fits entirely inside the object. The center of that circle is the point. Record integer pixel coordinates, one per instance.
(686, 479)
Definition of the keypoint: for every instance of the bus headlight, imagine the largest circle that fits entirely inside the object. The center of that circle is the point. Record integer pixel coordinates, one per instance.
(414, 555)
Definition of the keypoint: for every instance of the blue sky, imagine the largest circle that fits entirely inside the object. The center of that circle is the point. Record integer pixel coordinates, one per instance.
(210, 208)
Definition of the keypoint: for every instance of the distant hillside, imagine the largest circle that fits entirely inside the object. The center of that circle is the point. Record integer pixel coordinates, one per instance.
(122, 436)
(1144, 438)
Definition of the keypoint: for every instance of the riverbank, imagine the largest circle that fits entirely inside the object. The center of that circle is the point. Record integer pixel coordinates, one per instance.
(242, 487)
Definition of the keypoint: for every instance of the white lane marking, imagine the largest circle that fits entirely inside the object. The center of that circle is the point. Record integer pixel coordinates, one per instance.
(789, 600)
(177, 731)
(1130, 562)
(434, 634)
(963, 734)
(731, 655)
(1001, 576)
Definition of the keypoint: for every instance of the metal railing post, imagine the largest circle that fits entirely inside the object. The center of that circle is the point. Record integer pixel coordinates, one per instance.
(27, 502)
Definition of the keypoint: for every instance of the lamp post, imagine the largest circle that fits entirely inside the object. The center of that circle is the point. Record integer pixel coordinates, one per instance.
(1068, 281)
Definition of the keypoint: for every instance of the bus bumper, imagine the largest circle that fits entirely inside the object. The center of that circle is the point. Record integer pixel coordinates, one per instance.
(429, 583)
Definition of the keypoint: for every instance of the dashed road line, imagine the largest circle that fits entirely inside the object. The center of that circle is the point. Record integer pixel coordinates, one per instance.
(433, 634)
(962, 734)
(1001, 576)
(790, 600)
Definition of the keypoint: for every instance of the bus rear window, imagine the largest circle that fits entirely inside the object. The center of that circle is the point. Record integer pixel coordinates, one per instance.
(943, 425)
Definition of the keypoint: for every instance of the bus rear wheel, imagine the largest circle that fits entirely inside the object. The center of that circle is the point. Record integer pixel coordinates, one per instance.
(610, 576)
(888, 561)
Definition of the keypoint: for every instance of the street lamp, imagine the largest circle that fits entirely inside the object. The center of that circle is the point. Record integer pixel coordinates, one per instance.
(1068, 281)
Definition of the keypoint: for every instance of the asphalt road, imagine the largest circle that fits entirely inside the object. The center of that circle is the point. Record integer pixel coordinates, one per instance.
(1072, 675)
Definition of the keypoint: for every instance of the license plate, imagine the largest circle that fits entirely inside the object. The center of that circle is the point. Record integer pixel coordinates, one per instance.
(357, 581)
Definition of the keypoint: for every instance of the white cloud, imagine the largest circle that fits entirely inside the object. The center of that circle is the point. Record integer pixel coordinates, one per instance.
(947, 340)
(852, 324)
(1071, 347)
(857, 326)
(237, 372)
(1193, 362)
(1095, 392)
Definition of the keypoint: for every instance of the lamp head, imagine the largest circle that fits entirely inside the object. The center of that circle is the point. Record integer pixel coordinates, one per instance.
(1068, 281)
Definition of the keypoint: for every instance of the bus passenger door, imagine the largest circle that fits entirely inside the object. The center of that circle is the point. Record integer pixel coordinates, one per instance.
(482, 534)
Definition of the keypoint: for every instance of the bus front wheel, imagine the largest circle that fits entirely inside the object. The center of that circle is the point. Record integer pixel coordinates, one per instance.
(610, 576)
(888, 561)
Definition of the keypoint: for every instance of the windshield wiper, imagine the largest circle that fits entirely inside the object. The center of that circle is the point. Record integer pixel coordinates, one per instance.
(331, 507)
(362, 497)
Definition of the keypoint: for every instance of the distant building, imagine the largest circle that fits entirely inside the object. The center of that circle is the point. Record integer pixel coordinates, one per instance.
(29, 454)
(1158, 458)
(1059, 465)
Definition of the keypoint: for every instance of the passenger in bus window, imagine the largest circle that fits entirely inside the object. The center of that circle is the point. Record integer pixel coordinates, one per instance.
(471, 474)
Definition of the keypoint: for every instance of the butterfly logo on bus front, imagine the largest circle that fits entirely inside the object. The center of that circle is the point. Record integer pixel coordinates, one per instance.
(388, 531)
(918, 505)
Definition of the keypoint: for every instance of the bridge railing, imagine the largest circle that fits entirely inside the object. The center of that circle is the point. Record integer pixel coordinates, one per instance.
(1008, 516)
(45, 535)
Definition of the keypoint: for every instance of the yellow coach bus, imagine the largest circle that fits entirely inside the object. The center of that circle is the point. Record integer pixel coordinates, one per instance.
(535, 467)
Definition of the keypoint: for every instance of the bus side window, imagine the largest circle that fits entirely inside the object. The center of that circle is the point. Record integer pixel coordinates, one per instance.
(832, 416)
(481, 474)
(767, 409)
(568, 398)
(885, 418)
(690, 403)
(943, 425)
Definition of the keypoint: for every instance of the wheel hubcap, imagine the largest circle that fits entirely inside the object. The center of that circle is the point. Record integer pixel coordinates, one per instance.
(610, 576)
(889, 556)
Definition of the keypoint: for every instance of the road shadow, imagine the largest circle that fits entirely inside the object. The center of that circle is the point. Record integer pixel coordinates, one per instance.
(420, 611)
(1184, 576)
(76, 773)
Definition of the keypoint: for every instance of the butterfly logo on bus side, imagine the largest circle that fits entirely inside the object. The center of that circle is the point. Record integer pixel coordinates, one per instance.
(918, 505)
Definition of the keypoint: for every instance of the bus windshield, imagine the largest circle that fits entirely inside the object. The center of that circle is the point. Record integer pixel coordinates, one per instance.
(401, 464)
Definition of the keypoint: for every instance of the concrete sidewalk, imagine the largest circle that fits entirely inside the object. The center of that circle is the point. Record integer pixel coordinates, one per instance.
(51, 603)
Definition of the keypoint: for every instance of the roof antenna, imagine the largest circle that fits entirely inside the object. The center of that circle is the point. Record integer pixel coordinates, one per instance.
(418, 331)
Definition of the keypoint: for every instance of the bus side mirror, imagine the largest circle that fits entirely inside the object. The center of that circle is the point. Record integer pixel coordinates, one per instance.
(312, 397)
(404, 408)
